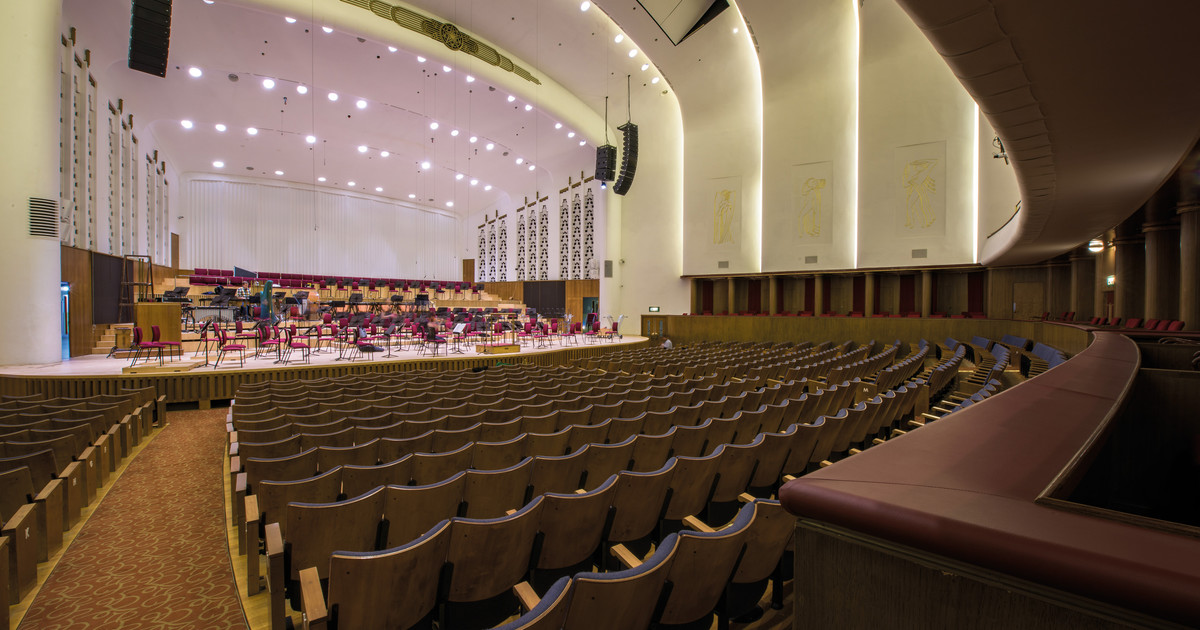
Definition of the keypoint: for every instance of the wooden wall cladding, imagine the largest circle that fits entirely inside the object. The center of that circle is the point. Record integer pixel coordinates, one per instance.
(206, 384)
(506, 291)
(77, 271)
(576, 291)
(684, 329)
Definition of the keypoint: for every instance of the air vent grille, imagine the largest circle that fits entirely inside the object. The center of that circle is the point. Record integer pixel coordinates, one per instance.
(920, 253)
(722, 264)
(43, 217)
(810, 260)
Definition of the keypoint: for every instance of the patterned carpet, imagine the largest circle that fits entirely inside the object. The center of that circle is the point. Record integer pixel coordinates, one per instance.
(154, 553)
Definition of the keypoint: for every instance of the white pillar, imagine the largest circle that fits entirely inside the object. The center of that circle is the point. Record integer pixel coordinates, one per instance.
(29, 163)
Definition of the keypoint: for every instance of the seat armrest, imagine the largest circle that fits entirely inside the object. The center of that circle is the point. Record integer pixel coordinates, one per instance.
(312, 601)
(696, 524)
(525, 594)
(625, 557)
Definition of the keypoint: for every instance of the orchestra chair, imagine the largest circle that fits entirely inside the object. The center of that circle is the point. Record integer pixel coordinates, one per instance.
(176, 346)
(225, 346)
(139, 343)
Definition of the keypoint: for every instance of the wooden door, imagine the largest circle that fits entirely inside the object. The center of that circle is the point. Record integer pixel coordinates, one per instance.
(1029, 300)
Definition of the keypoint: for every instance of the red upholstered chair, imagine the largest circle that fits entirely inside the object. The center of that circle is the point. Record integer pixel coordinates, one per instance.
(156, 338)
(225, 346)
(1175, 326)
(139, 343)
(291, 342)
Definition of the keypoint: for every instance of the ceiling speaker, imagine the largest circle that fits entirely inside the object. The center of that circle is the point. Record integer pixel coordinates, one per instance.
(628, 159)
(606, 163)
(149, 36)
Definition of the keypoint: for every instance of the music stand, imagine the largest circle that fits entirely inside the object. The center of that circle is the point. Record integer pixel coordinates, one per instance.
(457, 331)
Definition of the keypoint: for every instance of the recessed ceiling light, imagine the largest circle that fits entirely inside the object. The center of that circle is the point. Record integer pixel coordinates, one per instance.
(209, 1)
(279, 172)
(458, 176)
(320, 179)
(582, 142)
(420, 59)
(310, 139)
(384, 154)
(644, 66)
(218, 164)
(449, 204)
(520, 161)
(585, 5)
(362, 148)
(187, 124)
(425, 165)
(454, 133)
(361, 104)
(619, 38)
(433, 125)
(326, 29)
(470, 79)
(654, 80)
(220, 127)
(269, 84)
(411, 196)
(333, 96)
(511, 98)
(528, 107)
(490, 146)
(290, 20)
(391, 49)
(531, 167)
(735, 30)
(570, 134)
(445, 68)
(195, 72)
(474, 139)
(302, 89)
(474, 182)
(558, 125)
(252, 131)
(488, 187)
(379, 189)
(632, 53)
(351, 184)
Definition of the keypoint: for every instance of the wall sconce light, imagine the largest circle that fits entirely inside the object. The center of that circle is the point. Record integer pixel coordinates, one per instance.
(1095, 246)
(1110, 281)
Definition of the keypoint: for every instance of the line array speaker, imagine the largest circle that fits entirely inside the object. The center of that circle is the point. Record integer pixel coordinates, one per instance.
(629, 159)
(606, 163)
(150, 36)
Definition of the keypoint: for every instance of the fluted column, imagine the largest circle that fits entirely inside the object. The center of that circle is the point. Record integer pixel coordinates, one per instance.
(1083, 281)
(1130, 268)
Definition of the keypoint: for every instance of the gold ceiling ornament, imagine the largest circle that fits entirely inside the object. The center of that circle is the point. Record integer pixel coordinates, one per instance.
(444, 32)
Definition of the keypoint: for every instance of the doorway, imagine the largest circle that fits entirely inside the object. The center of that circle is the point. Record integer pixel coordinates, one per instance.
(64, 314)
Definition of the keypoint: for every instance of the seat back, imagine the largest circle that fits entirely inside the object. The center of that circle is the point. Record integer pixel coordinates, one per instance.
(316, 530)
(621, 599)
(573, 525)
(638, 502)
(477, 571)
(411, 510)
(704, 563)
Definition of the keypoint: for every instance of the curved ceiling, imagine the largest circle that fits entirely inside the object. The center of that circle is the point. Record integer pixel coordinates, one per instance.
(1096, 103)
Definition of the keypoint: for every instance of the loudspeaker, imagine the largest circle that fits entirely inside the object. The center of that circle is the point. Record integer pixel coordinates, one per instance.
(606, 163)
(149, 36)
(629, 159)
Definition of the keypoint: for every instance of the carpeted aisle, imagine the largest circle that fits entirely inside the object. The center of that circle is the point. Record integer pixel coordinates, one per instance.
(154, 553)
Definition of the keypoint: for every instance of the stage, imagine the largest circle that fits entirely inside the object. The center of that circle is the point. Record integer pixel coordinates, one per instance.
(96, 374)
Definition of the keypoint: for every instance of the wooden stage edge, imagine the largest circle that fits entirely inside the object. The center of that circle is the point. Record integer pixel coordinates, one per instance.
(204, 385)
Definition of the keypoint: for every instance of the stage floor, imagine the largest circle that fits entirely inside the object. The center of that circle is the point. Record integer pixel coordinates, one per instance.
(99, 365)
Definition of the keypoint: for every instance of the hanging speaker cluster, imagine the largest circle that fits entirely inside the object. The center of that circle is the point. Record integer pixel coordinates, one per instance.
(150, 36)
(606, 163)
(629, 159)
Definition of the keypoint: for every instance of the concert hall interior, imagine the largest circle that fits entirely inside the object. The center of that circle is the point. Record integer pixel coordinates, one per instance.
(904, 291)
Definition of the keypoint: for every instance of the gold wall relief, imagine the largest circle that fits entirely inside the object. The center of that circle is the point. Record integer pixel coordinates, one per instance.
(444, 32)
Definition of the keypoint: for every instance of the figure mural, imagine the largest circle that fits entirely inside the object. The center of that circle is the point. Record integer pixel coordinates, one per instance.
(723, 211)
(810, 206)
(919, 188)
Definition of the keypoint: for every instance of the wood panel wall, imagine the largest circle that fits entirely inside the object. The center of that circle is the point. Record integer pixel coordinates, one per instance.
(691, 328)
(576, 291)
(77, 271)
(506, 291)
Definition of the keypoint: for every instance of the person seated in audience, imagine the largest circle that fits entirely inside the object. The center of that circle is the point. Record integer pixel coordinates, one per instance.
(666, 344)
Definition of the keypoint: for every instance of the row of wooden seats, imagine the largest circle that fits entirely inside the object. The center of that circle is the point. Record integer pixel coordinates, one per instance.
(945, 373)
(688, 576)
(699, 478)
(661, 361)
(253, 407)
(55, 453)
(552, 434)
(865, 367)
(306, 410)
(902, 370)
(956, 402)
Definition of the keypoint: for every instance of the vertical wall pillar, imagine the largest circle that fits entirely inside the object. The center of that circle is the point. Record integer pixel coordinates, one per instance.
(926, 293)
(773, 294)
(1083, 283)
(30, 332)
(869, 301)
(818, 294)
(1129, 266)
(732, 310)
(1188, 208)
(1161, 231)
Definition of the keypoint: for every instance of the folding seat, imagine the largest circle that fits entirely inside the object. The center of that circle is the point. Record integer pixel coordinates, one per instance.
(546, 423)
(546, 613)
(278, 448)
(392, 588)
(606, 460)
(357, 480)
(432, 467)
(315, 531)
(548, 444)
(587, 434)
(692, 488)
(445, 440)
(408, 511)
(364, 454)
(558, 473)
(497, 455)
(639, 503)
(620, 599)
(621, 428)
(478, 584)
(573, 526)
(491, 493)
(268, 505)
(829, 432)
(690, 440)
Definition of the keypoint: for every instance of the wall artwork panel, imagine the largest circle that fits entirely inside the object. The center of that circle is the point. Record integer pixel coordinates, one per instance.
(920, 190)
(813, 203)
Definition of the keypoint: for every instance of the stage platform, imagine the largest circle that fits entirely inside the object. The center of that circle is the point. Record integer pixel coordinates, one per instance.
(95, 374)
